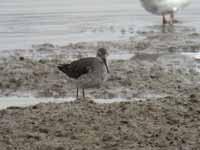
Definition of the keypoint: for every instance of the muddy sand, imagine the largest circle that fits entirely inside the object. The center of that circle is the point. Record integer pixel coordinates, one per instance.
(157, 65)
(161, 75)
(167, 123)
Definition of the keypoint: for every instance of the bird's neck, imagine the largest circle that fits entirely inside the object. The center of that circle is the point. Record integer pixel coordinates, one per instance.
(98, 57)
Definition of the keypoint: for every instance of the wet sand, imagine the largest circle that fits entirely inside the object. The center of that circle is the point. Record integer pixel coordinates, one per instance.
(163, 124)
(159, 66)
(161, 74)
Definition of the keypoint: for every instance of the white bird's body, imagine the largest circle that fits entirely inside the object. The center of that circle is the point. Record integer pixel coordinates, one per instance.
(164, 7)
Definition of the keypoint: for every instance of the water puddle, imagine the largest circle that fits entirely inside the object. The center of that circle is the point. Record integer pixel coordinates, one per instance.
(28, 101)
(113, 100)
(194, 55)
(120, 56)
(6, 102)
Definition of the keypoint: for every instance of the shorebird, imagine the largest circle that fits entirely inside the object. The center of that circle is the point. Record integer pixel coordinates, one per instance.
(164, 7)
(87, 72)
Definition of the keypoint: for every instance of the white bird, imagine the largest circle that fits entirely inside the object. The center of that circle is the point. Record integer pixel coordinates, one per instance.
(164, 7)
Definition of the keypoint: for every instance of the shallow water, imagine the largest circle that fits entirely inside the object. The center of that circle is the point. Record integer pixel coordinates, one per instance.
(6, 102)
(120, 56)
(27, 22)
(194, 55)
(28, 101)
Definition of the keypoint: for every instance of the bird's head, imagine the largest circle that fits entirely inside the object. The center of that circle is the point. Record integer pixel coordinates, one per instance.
(102, 54)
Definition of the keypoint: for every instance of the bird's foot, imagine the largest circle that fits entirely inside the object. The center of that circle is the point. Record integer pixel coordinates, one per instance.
(174, 22)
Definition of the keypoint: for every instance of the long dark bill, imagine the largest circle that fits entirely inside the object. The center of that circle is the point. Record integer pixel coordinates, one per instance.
(105, 62)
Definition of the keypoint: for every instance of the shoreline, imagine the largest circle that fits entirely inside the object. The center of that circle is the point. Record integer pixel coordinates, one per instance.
(157, 70)
(158, 65)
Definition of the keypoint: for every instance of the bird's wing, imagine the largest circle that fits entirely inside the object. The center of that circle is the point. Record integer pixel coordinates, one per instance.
(80, 67)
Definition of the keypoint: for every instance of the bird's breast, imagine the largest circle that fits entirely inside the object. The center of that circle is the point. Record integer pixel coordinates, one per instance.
(161, 7)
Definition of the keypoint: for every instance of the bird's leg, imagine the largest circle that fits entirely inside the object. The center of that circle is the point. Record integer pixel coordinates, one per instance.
(77, 93)
(172, 18)
(83, 93)
(164, 20)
